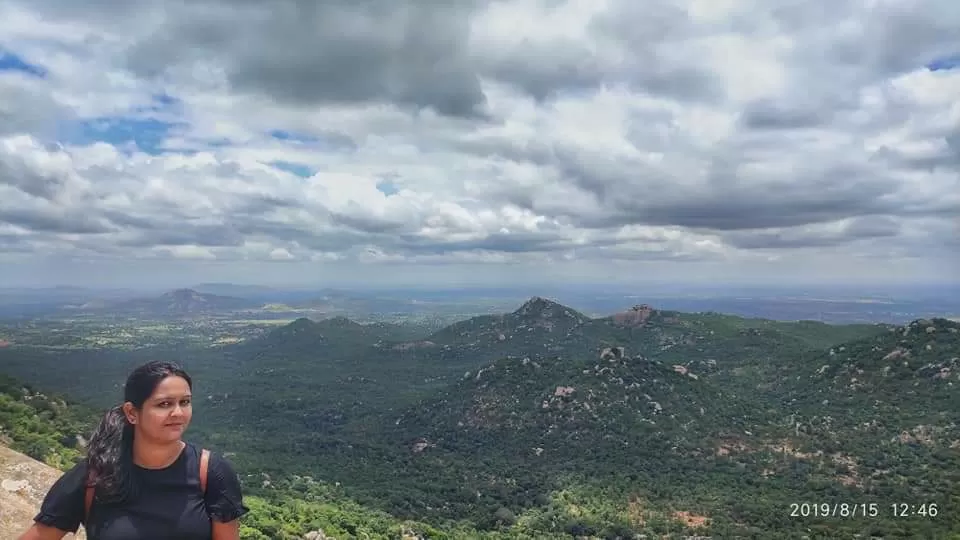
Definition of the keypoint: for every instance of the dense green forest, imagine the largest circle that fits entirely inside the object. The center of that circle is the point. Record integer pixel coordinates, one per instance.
(44, 427)
(546, 423)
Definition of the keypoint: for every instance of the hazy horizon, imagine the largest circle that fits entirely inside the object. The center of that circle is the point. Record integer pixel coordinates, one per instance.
(948, 291)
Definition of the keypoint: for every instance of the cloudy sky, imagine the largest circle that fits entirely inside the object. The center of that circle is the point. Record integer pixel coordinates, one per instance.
(461, 141)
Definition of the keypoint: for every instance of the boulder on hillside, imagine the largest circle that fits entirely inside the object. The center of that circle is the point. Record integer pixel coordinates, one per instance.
(613, 354)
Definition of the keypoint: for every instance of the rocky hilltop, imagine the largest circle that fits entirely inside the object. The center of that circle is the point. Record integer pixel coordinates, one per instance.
(23, 483)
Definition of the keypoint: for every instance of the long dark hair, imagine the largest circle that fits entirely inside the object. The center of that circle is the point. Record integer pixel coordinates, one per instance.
(110, 450)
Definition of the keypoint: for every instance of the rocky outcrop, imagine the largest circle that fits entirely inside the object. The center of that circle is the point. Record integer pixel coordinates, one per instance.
(425, 344)
(613, 354)
(636, 316)
(23, 484)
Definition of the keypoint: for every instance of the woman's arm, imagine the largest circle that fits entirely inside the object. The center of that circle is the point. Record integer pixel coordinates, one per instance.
(43, 532)
(61, 511)
(221, 531)
(224, 499)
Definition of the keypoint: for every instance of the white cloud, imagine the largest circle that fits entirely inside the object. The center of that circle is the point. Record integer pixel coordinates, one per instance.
(703, 140)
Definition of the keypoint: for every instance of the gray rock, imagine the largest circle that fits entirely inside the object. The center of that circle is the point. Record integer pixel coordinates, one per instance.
(23, 484)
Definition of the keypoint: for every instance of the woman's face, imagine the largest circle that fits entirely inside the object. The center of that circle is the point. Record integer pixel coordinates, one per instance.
(166, 414)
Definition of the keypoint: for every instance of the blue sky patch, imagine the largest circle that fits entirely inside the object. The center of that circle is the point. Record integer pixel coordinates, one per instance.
(147, 134)
(945, 62)
(219, 142)
(327, 141)
(291, 136)
(298, 169)
(12, 62)
(387, 187)
(165, 100)
(160, 103)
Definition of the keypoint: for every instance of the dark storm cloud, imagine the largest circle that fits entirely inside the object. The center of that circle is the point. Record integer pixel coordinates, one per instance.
(126, 220)
(326, 139)
(255, 205)
(879, 41)
(520, 242)
(99, 11)
(953, 144)
(945, 157)
(546, 75)
(648, 34)
(768, 114)
(18, 174)
(641, 32)
(305, 235)
(870, 227)
(335, 52)
(15, 243)
(53, 221)
(182, 235)
(166, 222)
(541, 71)
(337, 241)
(667, 254)
(361, 221)
(24, 108)
(632, 193)
(905, 35)
(409, 53)
(240, 216)
(757, 207)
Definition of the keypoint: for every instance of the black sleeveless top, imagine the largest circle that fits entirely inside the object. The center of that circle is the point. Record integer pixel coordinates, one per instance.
(170, 504)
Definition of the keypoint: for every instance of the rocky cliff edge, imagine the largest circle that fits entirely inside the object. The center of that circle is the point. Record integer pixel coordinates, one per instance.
(23, 483)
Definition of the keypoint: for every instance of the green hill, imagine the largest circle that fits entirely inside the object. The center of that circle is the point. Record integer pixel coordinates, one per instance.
(544, 422)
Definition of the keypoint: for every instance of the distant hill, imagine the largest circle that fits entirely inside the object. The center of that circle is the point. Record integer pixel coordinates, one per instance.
(176, 303)
(187, 301)
(231, 289)
(546, 319)
(40, 302)
(338, 331)
(353, 302)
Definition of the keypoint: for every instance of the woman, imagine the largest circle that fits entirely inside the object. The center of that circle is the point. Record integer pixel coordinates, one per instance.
(145, 482)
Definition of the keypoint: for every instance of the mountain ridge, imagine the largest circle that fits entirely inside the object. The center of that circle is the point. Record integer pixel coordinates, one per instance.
(513, 418)
(173, 303)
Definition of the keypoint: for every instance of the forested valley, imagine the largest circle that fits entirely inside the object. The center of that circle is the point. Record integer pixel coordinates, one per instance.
(547, 423)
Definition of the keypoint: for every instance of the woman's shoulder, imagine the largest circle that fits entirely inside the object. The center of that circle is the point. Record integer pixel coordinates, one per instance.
(70, 484)
(224, 494)
(63, 505)
(218, 464)
(75, 476)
